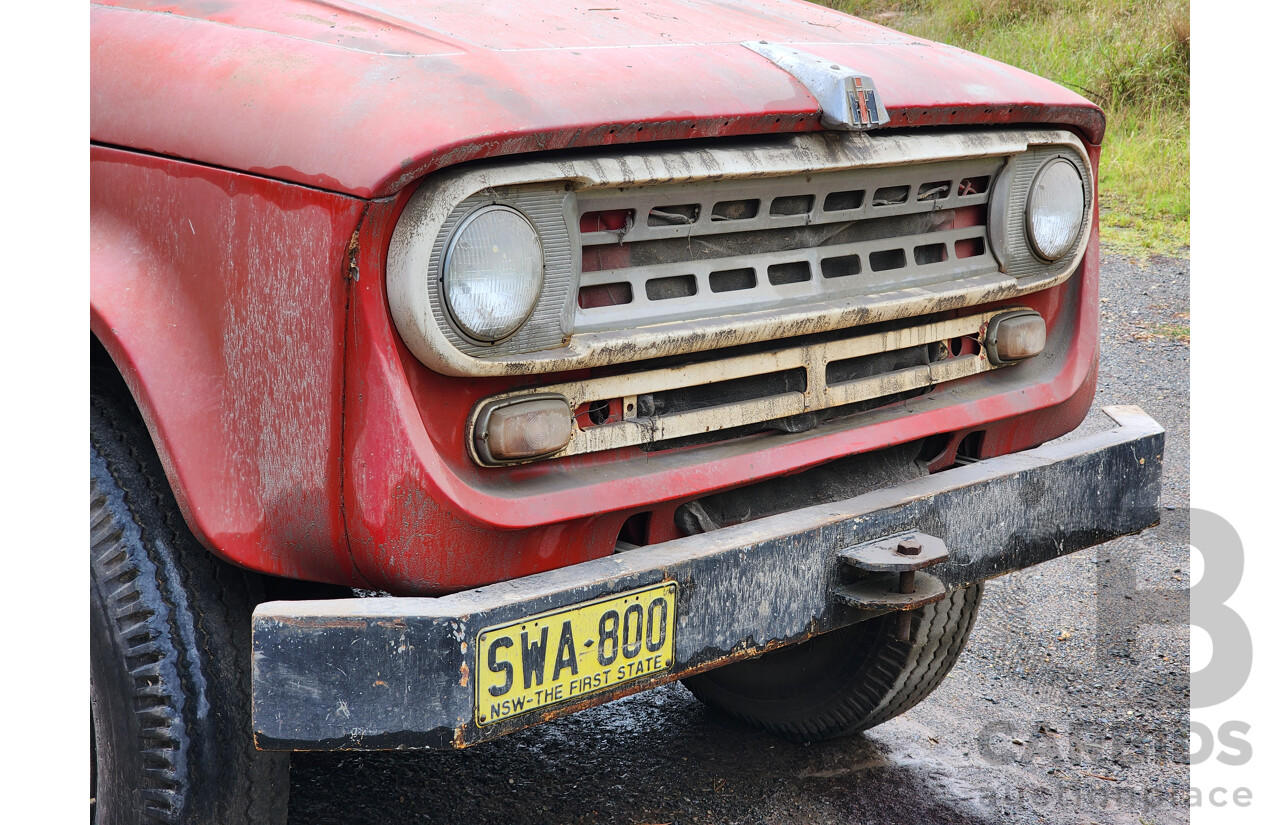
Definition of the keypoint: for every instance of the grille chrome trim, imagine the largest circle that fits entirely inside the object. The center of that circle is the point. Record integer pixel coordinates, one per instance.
(643, 311)
(820, 186)
(1009, 240)
(412, 295)
(636, 430)
(902, 227)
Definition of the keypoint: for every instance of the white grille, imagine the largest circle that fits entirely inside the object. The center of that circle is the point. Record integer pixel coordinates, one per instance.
(709, 249)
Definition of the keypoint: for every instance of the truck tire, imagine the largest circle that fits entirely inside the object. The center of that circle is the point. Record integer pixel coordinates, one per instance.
(847, 680)
(169, 650)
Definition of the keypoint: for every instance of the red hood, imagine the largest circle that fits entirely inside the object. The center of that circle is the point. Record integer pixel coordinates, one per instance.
(363, 97)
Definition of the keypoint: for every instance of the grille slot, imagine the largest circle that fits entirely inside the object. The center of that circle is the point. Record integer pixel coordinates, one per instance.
(718, 393)
(891, 196)
(841, 267)
(792, 273)
(936, 191)
(675, 286)
(677, 215)
(710, 249)
(934, 253)
(887, 259)
(732, 280)
(843, 201)
(791, 205)
(604, 295)
(735, 210)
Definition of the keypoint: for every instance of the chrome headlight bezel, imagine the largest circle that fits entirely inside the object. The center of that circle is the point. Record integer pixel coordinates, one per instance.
(1075, 192)
(1008, 222)
(420, 243)
(450, 291)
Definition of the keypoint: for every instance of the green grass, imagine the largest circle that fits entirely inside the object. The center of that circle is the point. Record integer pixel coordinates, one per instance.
(1131, 57)
(1177, 332)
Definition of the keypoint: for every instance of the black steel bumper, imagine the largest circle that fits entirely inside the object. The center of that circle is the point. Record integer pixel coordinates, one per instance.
(398, 672)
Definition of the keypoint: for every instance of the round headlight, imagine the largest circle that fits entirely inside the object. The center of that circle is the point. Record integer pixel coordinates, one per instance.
(492, 274)
(1055, 209)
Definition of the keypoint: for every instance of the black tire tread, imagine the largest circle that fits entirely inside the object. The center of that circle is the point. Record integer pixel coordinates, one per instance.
(893, 678)
(945, 627)
(181, 616)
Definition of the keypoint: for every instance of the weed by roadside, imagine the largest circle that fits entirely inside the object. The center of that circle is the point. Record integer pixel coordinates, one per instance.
(1180, 332)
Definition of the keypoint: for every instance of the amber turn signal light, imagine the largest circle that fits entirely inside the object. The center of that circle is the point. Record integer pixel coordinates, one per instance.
(521, 429)
(1015, 336)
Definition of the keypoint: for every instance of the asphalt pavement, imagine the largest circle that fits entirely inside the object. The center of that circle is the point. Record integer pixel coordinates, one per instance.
(1070, 704)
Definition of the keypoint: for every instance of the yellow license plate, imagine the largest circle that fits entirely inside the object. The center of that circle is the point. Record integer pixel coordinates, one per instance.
(555, 657)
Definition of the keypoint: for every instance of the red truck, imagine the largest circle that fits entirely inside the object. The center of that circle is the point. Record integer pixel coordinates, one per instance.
(610, 346)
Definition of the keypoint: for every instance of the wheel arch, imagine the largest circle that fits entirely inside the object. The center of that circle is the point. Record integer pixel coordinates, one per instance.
(110, 370)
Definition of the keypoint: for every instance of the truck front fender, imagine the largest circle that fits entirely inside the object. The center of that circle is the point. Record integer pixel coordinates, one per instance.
(221, 298)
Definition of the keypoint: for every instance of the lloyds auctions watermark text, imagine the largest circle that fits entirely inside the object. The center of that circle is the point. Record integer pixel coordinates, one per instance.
(1084, 760)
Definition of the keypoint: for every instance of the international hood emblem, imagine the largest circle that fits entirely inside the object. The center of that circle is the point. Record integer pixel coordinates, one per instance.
(848, 98)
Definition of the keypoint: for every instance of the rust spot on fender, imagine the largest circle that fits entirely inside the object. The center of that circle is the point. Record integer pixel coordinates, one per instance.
(466, 675)
(353, 256)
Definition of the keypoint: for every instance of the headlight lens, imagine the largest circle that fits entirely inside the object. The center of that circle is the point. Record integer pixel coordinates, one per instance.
(492, 273)
(1055, 209)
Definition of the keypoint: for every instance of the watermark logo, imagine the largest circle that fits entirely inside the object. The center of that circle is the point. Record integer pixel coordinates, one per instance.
(1090, 764)
(1118, 622)
(1228, 670)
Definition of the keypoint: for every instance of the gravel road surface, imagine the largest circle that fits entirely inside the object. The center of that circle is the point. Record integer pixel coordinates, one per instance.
(1068, 706)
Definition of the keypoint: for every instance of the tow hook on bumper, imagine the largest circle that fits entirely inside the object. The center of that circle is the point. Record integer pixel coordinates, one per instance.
(398, 672)
(903, 555)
